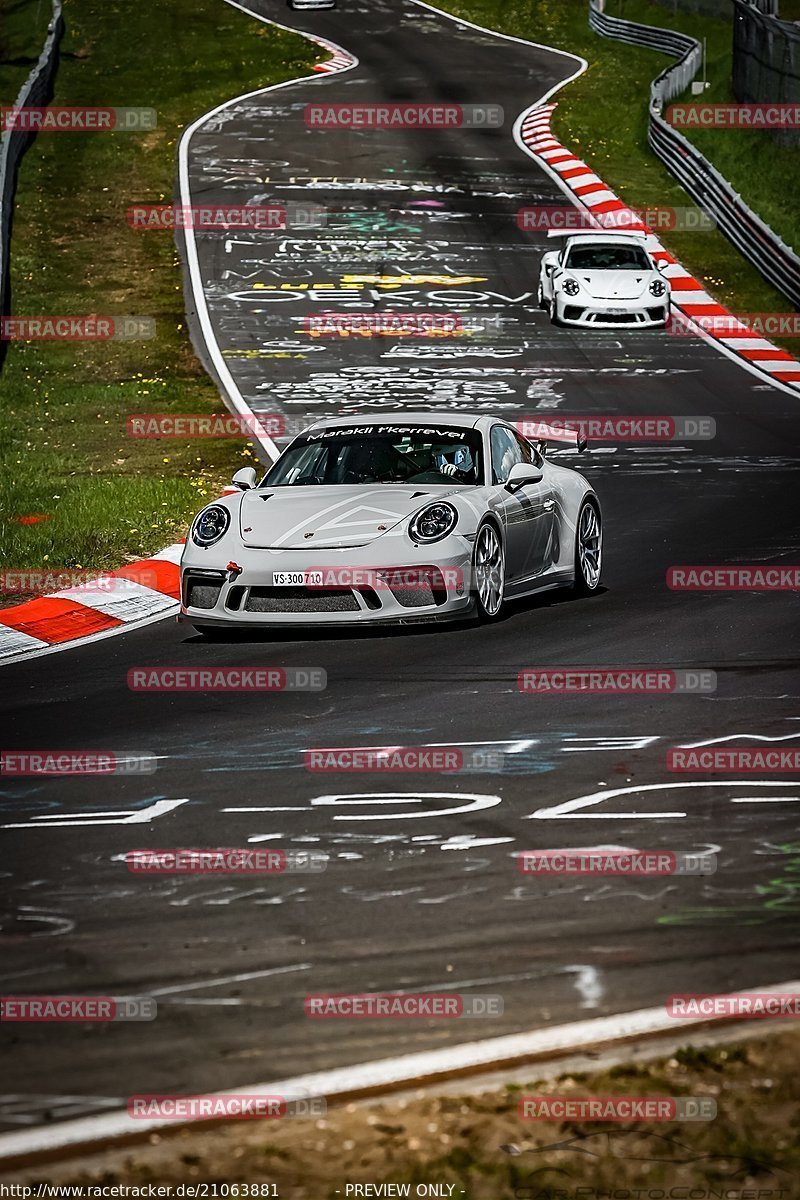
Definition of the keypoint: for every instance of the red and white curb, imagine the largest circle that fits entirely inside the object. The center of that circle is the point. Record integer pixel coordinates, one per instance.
(533, 133)
(372, 1079)
(340, 60)
(135, 595)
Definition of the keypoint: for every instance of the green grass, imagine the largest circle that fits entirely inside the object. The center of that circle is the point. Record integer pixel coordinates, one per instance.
(66, 454)
(752, 161)
(24, 28)
(602, 116)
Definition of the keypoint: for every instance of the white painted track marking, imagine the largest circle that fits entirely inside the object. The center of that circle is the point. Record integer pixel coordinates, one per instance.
(570, 807)
(139, 816)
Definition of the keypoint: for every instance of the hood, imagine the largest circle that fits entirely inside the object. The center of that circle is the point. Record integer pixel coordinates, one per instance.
(614, 285)
(334, 517)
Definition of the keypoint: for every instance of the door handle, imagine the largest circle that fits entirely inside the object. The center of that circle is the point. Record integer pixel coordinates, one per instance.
(549, 505)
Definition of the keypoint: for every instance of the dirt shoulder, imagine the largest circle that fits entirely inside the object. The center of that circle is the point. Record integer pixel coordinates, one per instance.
(474, 1142)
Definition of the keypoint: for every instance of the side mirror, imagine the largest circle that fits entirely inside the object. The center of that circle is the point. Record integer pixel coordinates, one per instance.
(662, 265)
(245, 479)
(522, 474)
(549, 268)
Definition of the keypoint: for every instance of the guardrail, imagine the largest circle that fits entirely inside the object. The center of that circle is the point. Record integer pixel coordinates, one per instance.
(35, 91)
(776, 261)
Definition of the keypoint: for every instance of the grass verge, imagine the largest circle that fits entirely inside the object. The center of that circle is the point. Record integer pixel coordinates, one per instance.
(602, 116)
(478, 1145)
(103, 497)
(24, 28)
(752, 161)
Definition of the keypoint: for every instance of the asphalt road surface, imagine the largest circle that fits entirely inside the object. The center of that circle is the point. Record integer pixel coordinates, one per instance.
(422, 890)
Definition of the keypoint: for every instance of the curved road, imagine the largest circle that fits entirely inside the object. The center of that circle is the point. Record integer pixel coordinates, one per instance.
(412, 900)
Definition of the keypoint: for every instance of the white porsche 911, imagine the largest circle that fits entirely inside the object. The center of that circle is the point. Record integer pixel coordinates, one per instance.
(603, 280)
(401, 518)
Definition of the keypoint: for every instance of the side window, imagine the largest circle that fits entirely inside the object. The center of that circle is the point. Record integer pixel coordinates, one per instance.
(530, 454)
(506, 452)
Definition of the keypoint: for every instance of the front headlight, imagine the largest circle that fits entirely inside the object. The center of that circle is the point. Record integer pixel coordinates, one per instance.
(571, 287)
(433, 523)
(658, 287)
(210, 524)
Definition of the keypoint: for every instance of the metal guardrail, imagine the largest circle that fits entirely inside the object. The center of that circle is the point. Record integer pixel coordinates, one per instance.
(776, 261)
(35, 91)
(766, 62)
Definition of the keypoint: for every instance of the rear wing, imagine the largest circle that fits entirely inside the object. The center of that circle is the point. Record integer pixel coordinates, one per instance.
(539, 433)
(601, 230)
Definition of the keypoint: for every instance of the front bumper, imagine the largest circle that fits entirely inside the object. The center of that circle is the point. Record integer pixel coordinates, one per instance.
(647, 312)
(367, 585)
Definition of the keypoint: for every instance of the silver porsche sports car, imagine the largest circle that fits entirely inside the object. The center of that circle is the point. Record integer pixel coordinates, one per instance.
(401, 518)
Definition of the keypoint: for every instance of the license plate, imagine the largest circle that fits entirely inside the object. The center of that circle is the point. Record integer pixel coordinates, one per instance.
(297, 578)
(616, 312)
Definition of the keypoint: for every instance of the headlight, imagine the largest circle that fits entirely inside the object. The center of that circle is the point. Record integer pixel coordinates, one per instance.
(210, 525)
(658, 287)
(571, 287)
(433, 523)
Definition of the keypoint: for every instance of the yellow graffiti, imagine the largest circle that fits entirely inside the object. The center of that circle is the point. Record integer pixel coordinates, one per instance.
(261, 354)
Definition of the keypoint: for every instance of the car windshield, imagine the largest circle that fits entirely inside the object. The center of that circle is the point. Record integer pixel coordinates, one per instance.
(608, 258)
(380, 454)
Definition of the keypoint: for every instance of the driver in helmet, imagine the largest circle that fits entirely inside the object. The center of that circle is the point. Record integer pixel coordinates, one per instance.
(456, 461)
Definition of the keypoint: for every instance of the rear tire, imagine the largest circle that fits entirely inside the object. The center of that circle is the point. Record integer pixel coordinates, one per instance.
(489, 573)
(588, 549)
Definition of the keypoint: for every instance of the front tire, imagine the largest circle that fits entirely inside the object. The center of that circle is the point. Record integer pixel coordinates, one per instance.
(489, 573)
(588, 549)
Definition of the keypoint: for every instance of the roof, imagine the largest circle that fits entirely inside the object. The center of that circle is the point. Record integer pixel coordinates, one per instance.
(453, 420)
